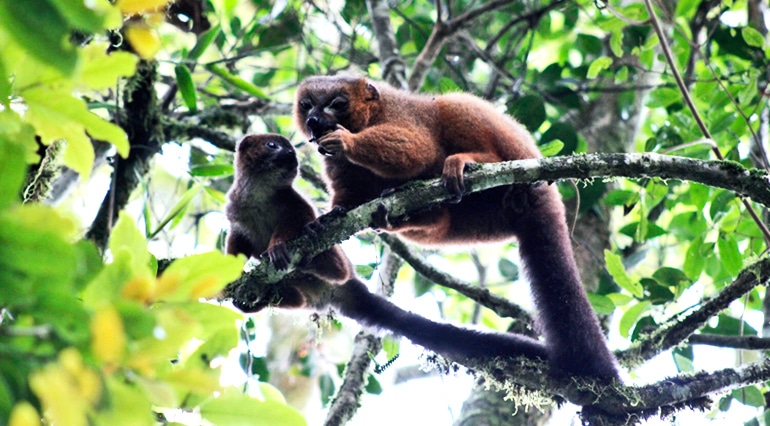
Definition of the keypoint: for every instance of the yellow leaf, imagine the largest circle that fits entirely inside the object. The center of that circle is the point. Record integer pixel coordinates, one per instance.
(24, 414)
(144, 40)
(141, 289)
(108, 338)
(168, 283)
(59, 396)
(136, 7)
(207, 287)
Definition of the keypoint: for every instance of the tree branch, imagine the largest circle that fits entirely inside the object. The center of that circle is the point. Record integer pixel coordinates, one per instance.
(421, 194)
(142, 124)
(735, 342)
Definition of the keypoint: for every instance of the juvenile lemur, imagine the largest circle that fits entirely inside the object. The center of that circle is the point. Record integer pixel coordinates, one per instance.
(264, 211)
(376, 137)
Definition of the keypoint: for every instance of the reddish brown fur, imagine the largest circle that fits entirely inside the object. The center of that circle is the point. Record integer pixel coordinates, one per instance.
(265, 211)
(379, 137)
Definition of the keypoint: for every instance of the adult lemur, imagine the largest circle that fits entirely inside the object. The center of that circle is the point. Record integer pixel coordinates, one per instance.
(377, 137)
(264, 211)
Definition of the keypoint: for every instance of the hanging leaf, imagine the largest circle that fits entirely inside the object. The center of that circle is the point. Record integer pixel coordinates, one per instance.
(186, 87)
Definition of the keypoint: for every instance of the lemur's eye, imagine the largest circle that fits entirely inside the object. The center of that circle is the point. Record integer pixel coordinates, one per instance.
(305, 105)
(272, 145)
(338, 103)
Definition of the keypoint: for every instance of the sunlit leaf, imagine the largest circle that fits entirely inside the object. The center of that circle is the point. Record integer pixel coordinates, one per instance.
(61, 116)
(200, 275)
(126, 241)
(683, 365)
(136, 7)
(129, 405)
(143, 40)
(631, 316)
(108, 342)
(598, 65)
(602, 304)
(236, 81)
(693, 261)
(212, 170)
(749, 395)
(663, 97)
(101, 70)
(231, 409)
(729, 254)
(615, 268)
(24, 414)
(551, 148)
(12, 173)
(752, 37)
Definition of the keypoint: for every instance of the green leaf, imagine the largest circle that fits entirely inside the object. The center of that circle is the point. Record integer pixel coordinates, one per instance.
(129, 404)
(126, 241)
(683, 365)
(602, 304)
(729, 253)
(749, 395)
(391, 347)
(616, 44)
(178, 208)
(631, 316)
(693, 261)
(447, 85)
(615, 268)
(92, 16)
(752, 37)
(35, 246)
(204, 40)
(58, 115)
(529, 110)
(230, 409)
(729, 326)
(212, 170)
(236, 81)
(373, 385)
(671, 277)
(551, 148)
(663, 97)
(598, 65)
(186, 87)
(5, 87)
(13, 172)
(508, 269)
(41, 31)
(621, 197)
(101, 70)
(327, 387)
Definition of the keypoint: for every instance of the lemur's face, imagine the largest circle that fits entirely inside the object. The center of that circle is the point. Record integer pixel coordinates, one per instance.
(267, 156)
